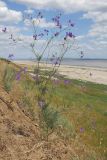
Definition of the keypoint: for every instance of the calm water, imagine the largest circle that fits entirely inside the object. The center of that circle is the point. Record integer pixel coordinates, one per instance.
(100, 63)
(86, 62)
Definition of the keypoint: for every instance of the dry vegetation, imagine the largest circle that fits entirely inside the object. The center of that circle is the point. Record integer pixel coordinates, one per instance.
(20, 135)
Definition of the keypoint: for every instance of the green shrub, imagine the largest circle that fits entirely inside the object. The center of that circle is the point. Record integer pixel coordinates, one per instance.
(8, 78)
(48, 120)
(66, 128)
(52, 121)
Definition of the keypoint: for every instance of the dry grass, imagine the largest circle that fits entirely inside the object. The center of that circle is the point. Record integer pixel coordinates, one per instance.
(18, 133)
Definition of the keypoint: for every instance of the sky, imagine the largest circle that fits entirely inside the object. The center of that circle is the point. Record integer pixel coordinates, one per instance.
(89, 17)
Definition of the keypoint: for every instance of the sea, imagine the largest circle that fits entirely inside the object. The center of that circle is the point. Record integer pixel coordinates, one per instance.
(97, 63)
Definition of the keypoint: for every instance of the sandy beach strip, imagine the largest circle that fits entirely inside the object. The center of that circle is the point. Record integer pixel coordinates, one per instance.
(92, 74)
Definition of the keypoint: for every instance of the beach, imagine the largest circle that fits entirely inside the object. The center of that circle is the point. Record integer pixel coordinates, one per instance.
(92, 74)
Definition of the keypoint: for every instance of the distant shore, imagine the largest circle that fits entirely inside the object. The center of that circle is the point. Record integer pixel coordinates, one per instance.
(92, 74)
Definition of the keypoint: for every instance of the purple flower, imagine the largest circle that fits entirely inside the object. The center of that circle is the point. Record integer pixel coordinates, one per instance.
(18, 76)
(35, 37)
(60, 26)
(41, 35)
(4, 30)
(82, 54)
(57, 23)
(56, 61)
(70, 23)
(24, 70)
(10, 56)
(65, 38)
(82, 130)
(56, 34)
(56, 20)
(66, 81)
(39, 13)
(69, 34)
(46, 31)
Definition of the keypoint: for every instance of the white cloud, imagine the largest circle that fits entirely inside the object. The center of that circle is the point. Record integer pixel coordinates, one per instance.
(66, 5)
(8, 15)
(29, 11)
(97, 33)
(96, 16)
(40, 23)
(98, 30)
(95, 10)
(20, 48)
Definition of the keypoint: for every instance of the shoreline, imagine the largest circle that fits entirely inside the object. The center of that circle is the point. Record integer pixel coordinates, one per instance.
(92, 74)
(74, 64)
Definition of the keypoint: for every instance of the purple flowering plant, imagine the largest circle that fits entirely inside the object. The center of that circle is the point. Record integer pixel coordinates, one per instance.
(49, 45)
(55, 42)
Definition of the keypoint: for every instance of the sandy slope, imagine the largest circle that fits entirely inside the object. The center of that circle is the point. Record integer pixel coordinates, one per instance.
(97, 75)
(17, 133)
(20, 138)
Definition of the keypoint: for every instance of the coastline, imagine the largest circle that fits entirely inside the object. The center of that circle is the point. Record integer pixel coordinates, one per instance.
(92, 74)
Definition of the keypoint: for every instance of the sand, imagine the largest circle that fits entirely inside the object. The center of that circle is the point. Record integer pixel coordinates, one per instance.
(92, 74)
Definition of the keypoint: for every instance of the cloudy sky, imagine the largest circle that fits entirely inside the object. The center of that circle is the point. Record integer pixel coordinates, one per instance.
(89, 17)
